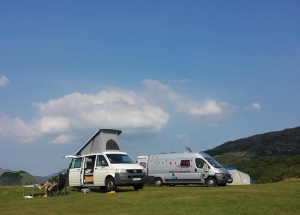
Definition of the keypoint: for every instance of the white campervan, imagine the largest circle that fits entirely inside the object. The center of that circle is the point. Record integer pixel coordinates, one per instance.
(100, 163)
(184, 168)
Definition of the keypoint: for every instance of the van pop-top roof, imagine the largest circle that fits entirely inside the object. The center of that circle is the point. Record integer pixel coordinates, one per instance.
(102, 140)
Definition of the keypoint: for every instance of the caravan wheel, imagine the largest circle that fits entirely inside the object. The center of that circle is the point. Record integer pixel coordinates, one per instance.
(158, 182)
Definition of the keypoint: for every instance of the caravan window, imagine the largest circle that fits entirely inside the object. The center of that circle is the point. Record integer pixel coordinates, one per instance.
(143, 164)
(76, 163)
(199, 162)
(185, 163)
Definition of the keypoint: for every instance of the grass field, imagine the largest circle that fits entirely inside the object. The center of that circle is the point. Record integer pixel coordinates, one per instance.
(273, 198)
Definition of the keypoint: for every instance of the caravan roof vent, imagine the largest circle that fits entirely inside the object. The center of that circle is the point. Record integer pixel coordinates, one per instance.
(188, 150)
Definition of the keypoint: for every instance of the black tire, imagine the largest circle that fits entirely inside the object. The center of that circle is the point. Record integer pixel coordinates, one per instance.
(138, 186)
(211, 182)
(158, 182)
(222, 185)
(77, 189)
(102, 189)
(110, 184)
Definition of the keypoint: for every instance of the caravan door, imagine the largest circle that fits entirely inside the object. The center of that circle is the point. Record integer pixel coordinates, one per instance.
(75, 172)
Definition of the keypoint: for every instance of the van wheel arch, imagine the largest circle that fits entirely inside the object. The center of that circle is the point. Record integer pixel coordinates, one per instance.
(110, 184)
(158, 182)
(211, 182)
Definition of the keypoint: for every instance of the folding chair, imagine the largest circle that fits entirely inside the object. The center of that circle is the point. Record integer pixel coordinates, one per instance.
(60, 188)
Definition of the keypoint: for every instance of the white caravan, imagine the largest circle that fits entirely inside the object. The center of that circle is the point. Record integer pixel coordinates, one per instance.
(184, 168)
(100, 163)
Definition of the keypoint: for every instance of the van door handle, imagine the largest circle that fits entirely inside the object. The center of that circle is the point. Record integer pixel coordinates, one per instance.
(95, 168)
(195, 169)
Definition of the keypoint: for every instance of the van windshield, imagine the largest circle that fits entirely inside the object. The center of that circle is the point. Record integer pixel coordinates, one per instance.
(213, 162)
(120, 158)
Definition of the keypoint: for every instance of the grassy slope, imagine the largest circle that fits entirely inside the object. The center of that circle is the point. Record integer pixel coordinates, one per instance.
(273, 198)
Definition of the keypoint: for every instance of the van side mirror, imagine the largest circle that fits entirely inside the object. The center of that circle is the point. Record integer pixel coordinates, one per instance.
(104, 163)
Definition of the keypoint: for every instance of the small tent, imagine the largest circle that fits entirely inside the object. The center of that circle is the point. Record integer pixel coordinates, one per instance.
(16, 178)
(239, 178)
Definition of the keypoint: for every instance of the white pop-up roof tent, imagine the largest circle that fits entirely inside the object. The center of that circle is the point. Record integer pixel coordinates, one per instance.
(102, 140)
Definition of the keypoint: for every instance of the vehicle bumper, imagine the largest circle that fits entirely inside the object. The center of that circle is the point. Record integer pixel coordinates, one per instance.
(128, 179)
(222, 178)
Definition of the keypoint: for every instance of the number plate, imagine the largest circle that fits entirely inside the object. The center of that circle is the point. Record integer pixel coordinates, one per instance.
(136, 179)
(229, 179)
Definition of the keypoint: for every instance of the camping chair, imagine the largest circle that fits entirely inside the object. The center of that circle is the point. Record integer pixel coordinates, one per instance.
(60, 188)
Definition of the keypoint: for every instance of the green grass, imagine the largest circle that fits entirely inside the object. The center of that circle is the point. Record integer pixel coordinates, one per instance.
(273, 198)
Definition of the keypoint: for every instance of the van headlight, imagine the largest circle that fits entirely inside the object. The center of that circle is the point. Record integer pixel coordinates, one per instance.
(120, 170)
(144, 170)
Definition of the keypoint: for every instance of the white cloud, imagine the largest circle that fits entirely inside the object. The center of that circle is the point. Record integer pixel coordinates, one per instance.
(117, 109)
(184, 138)
(53, 124)
(16, 129)
(256, 106)
(3, 81)
(61, 139)
(213, 125)
(161, 93)
(129, 111)
(208, 107)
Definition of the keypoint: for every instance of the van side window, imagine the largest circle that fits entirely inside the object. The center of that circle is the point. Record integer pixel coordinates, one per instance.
(199, 162)
(185, 163)
(100, 158)
(76, 163)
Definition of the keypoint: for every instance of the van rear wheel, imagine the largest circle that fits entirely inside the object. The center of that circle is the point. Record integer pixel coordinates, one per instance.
(110, 184)
(211, 182)
(158, 182)
(138, 186)
(77, 189)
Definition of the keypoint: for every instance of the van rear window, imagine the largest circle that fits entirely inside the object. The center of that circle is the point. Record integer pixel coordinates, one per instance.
(76, 162)
(143, 164)
(185, 163)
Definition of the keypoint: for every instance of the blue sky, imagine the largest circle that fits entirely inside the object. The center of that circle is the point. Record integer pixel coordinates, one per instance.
(169, 74)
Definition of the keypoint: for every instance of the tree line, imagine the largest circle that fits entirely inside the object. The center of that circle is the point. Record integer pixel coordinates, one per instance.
(270, 168)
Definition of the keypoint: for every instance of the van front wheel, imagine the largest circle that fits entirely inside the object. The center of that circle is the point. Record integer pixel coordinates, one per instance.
(158, 182)
(110, 184)
(211, 182)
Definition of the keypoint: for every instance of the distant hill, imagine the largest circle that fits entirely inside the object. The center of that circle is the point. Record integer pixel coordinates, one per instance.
(285, 142)
(4, 170)
(54, 174)
(40, 179)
